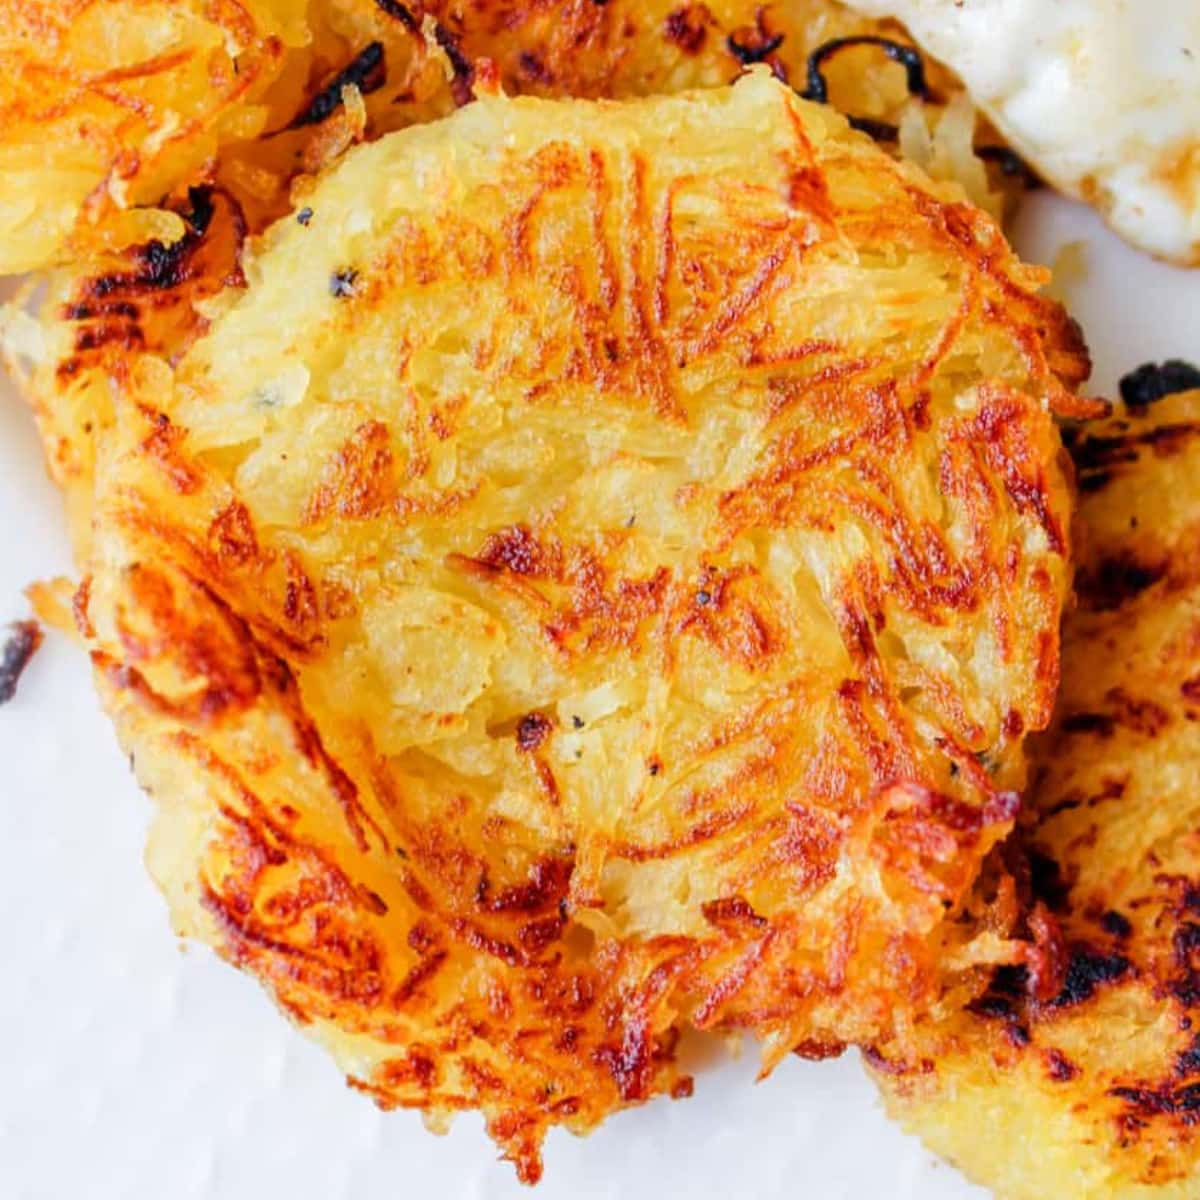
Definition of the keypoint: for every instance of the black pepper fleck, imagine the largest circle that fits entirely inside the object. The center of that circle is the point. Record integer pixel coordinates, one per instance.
(304, 215)
(341, 283)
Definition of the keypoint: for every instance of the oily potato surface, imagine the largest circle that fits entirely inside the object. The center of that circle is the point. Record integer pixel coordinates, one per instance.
(109, 109)
(164, 205)
(1093, 1093)
(596, 576)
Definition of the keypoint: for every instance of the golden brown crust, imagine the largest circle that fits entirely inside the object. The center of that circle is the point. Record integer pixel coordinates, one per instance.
(597, 577)
(256, 148)
(107, 108)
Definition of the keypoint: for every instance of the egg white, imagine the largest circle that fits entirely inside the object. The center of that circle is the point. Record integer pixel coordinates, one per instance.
(1101, 96)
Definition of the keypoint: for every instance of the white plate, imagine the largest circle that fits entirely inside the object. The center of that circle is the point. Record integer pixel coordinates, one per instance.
(131, 1070)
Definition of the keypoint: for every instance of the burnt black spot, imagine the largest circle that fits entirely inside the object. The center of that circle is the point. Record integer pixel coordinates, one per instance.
(1089, 722)
(532, 730)
(1187, 1062)
(1185, 943)
(1017, 1034)
(1094, 481)
(1059, 1067)
(1117, 580)
(23, 640)
(1005, 992)
(200, 210)
(1163, 1101)
(533, 68)
(576, 722)
(1152, 381)
(1087, 971)
(1185, 948)
(156, 264)
(464, 73)
(687, 27)
(87, 312)
(992, 1005)
(1116, 923)
(341, 283)
(879, 131)
(1047, 881)
(365, 72)
(1105, 453)
(1101, 453)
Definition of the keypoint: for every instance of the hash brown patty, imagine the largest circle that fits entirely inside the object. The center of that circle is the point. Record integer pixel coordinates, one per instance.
(1094, 1092)
(109, 109)
(596, 576)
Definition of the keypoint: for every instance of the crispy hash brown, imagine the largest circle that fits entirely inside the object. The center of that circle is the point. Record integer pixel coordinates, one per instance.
(348, 71)
(109, 106)
(353, 70)
(597, 575)
(106, 106)
(867, 68)
(1095, 1093)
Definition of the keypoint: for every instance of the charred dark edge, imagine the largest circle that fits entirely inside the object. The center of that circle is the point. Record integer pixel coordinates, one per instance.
(365, 72)
(1010, 164)
(1144, 385)
(464, 73)
(200, 210)
(1161, 1101)
(909, 57)
(749, 55)
(879, 131)
(155, 264)
(22, 643)
(158, 265)
(399, 12)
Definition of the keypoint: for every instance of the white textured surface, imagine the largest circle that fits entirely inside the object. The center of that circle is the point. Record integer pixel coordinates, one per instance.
(131, 1071)
(1102, 96)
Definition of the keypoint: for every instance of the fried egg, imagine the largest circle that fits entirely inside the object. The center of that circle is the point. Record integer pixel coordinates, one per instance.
(1102, 96)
